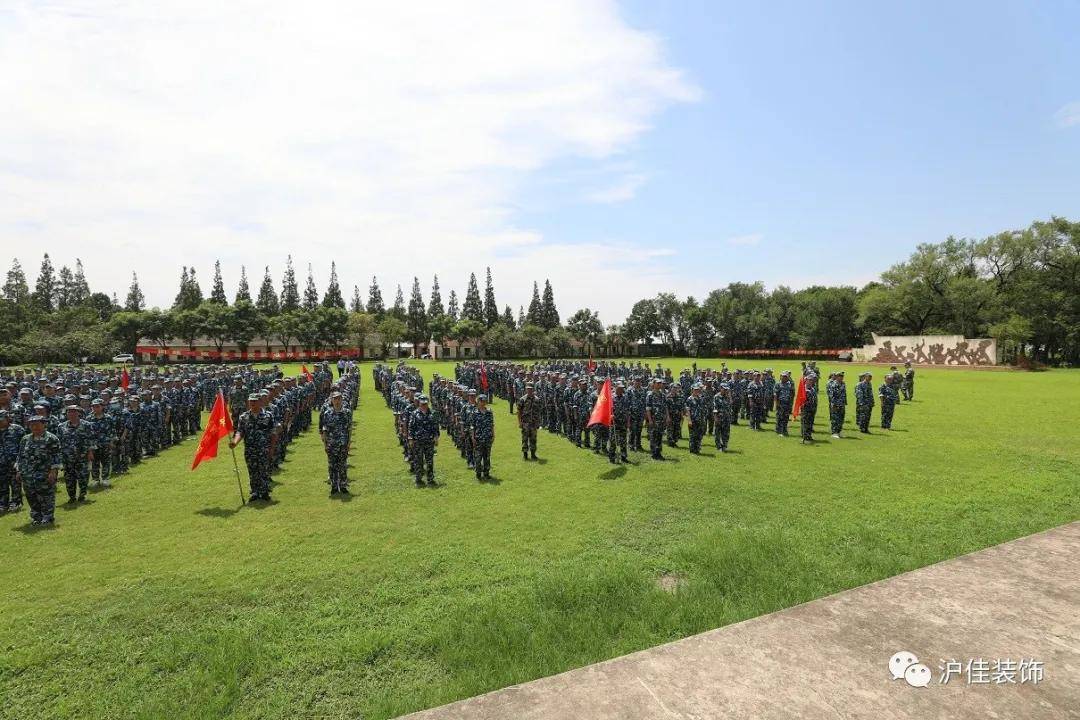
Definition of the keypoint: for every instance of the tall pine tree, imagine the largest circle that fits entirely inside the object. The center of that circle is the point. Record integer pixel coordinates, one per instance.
(243, 290)
(44, 296)
(64, 283)
(194, 292)
(491, 310)
(549, 314)
(333, 297)
(508, 318)
(521, 316)
(16, 288)
(217, 287)
(80, 288)
(135, 301)
(181, 295)
(311, 295)
(268, 300)
(417, 320)
(435, 307)
(536, 309)
(374, 300)
(452, 310)
(398, 310)
(290, 292)
(473, 309)
(357, 305)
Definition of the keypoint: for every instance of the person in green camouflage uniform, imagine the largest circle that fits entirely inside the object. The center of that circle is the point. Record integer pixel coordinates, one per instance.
(77, 443)
(11, 436)
(482, 430)
(529, 412)
(254, 430)
(334, 424)
(697, 412)
(40, 459)
(889, 398)
(722, 413)
(104, 437)
(864, 402)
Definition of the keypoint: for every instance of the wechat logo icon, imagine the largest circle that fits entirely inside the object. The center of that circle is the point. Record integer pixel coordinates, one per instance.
(905, 665)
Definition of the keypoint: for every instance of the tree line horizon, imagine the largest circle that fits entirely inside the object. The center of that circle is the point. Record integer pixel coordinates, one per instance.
(1021, 287)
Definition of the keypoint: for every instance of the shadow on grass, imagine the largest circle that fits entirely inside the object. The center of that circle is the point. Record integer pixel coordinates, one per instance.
(72, 506)
(260, 504)
(613, 474)
(540, 461)
(31, 529)
(342, 497)
(489, 481)
(217, 512)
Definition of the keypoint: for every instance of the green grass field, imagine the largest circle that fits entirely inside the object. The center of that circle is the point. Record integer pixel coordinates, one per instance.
(163, 598)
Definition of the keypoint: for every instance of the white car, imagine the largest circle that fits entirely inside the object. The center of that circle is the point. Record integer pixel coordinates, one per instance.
(124, 358)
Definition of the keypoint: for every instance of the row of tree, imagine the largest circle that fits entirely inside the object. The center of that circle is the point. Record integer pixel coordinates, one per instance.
(1022, 287)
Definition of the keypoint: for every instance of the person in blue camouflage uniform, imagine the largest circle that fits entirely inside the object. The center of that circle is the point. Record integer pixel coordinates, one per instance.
(569, 410)
(738, 396)
(424, 437)
(40, 459)
(770, 393)
(785, 400)
(467, 411)
(132, 433)
(77, 444)
(104, 437)
(482, 429)
(722, 412)
(697, 412)
(809, 409)
(600, 432)
(620, 423)
(149, 413)
(529, 412)
(907, 385)
(755, 401)
(10, 440)
(637, 395)
(864, 402)
(656, 410)
(584, 404)
(889, 398)
(254, 430)
(334, 424)
(836, 392)
(676, 408)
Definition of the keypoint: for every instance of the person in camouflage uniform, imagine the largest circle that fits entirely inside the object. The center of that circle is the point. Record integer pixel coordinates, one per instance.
(864, 402)
(482, 429)
(907, 385)
(637, 395)
(697, 412)
(11, 436)
(620, 423)
(656, 410)
(809, 409)
(529, 412)
(889, 398)
(40, 459)
(836, 392)
(104, 437)
(77, 444)
(785, 400)
(755, 401)
(132, 432)
(424, 436)
(254, 430)
(334, 423)
(722, 412)
(770, 393)
(675, 410)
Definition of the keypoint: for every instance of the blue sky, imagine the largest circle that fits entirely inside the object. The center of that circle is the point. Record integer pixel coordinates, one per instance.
(619, 149)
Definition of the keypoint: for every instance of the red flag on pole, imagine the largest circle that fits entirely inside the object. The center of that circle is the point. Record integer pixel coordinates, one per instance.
(309, 376)
(602, 412)
(483, 376)
(125, 379)
(592, 364)
(800, 398)
(218, 426)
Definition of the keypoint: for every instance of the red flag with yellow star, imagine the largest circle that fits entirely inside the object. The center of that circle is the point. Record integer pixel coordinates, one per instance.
(218, 426)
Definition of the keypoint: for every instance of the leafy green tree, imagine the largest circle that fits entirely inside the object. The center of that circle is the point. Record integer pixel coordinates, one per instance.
(217, 323)
(127, 327)
(392, 331)
(245, 324)
(285, 328)
(534, 340)
(157, 327)
(361, 326)
(187, 325)
(333, 323)
(585, 327)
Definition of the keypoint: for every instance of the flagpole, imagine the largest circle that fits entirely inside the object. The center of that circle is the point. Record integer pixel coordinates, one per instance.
(239, 484)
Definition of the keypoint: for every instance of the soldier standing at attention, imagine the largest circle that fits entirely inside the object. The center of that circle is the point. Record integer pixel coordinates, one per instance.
(637, 414)
(721, 411)
(39, 462)
(254, 431)
(620, 422)
(424, 436)
(656, 418)
(755, 401)
(889, 398)
(809, 409)
(529, 411)
(77, 443)
(785, 399)
(697, 411)
(104, 437)
(907, 385)
(10, 439)
(483, 435)
(836, 394)
(864, 402)
(334, 422)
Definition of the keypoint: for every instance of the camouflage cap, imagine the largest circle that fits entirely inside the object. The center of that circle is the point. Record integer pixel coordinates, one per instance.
(254, 397)
(36, 418)
(481, 398)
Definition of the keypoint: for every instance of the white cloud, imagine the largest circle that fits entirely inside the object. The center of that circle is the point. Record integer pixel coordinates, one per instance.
(745, 240)
(1068, 115)
(391, 137)
(625, 189)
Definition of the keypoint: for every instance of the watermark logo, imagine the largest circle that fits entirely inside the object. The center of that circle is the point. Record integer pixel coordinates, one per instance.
(905, 665)
(976, 671)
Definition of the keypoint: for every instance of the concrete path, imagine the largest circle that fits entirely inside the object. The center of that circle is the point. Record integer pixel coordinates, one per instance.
(830, 658)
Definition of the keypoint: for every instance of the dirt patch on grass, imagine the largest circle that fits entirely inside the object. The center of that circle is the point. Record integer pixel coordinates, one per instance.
(670, 582)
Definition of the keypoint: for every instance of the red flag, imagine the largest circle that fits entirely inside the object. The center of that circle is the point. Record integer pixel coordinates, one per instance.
(602, 412)
(483, 376)
(125, 379)
(592, 364)
(309, 376)
(218, 426)
(800, 398)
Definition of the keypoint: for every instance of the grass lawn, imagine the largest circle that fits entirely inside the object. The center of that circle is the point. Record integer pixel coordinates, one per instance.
(162, 598)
